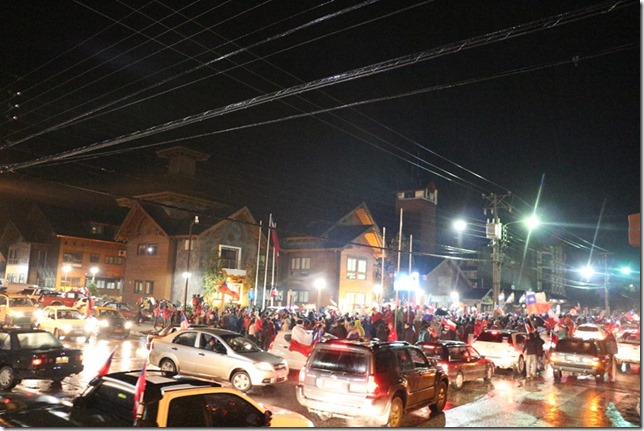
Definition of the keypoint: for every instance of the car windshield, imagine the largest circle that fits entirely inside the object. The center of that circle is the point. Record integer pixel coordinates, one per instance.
(337, 360)
(69, 314)
(494, 336)
(240, 344)
(576, 346)
(20, 302)
(37, 340)
(434, 352)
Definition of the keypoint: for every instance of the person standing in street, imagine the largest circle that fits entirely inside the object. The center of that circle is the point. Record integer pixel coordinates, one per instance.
(531, 350)
(610, 343)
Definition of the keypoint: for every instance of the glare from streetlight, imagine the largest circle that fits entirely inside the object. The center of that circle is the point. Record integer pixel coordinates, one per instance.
(459, 225)
(587, 272)
(93, 270)
(319, 283)
(532, 222)
(186, 275)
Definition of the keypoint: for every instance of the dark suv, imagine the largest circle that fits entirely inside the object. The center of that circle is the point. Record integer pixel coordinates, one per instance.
(373, 382)
(580, 356)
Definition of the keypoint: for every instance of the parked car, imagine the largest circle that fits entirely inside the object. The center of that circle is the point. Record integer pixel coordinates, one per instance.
(236, 358)
(295, 359)
(169, 400)
(580, 356)
(110, 323)
(628, 349)
(459, 360)
(35, 354)
(167, 330)
(503, 347)
(65, 322)
(68, 298)
(372, 382)
(17, 310)
(590, 331)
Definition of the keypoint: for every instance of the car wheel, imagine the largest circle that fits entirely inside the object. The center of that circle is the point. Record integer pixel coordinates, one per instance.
(7, 378)
(441, 398)
(458, 381)
(168, 365)
(57, 380)
(241, 381)
(520, 367)
(489, 372)
(396, 412)
(557, 375)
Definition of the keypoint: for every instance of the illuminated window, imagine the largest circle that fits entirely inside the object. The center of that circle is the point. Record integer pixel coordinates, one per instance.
(146, 249)
(301, 263)
(356, 269)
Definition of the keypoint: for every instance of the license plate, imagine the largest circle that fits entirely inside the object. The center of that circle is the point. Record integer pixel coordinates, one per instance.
(118, 331)
(62, 360)
(333, 384)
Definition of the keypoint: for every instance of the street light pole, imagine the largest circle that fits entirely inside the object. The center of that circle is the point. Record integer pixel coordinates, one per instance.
(187, 273)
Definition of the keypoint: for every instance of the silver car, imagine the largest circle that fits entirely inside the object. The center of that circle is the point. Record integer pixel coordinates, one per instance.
(234, 357)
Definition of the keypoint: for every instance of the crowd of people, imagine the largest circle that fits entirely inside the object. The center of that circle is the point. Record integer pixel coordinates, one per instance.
(409, 323)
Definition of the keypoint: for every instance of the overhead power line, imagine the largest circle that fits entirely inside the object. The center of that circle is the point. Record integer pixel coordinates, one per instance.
(385, 66)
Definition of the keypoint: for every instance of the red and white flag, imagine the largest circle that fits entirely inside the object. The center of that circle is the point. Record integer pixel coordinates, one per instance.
(184, 321)
(276, 241)
(106, 366)
(139, 390)
(449, 324)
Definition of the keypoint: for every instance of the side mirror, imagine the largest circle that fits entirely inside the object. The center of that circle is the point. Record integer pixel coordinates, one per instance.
(268, 415)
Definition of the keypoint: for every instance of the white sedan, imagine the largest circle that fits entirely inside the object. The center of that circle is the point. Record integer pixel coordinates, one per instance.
(65, 322)
(628, 349)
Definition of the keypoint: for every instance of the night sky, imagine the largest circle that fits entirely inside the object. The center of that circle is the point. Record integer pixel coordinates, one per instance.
(501, 99)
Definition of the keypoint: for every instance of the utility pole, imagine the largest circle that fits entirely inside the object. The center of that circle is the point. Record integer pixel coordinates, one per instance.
(494, 232)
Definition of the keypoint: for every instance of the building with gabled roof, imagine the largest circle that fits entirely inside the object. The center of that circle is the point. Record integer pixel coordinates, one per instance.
(337, 268)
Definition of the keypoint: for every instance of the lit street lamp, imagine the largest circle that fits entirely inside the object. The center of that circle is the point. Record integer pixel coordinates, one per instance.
(377, 292)
(319, 284)
(94, 271)
(187, 274)
(66, 269)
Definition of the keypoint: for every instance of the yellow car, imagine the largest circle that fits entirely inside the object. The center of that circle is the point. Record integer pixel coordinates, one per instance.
(171, 400)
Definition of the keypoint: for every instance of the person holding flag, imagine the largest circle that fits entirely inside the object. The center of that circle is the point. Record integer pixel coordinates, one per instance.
(301, 339)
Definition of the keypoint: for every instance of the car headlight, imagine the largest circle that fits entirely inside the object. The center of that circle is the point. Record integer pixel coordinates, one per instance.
(67, 328)
(38, 313)
(128, 325)
(264, 366)
(104, 323)
(14, 313)
(90, 324)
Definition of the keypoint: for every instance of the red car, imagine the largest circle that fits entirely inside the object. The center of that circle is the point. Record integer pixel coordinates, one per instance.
(459, 360)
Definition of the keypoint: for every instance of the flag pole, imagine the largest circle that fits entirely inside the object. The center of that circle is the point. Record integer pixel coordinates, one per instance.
(259, 245)
(398, 269)
(382, 264)
(268, 250)
(273, 276)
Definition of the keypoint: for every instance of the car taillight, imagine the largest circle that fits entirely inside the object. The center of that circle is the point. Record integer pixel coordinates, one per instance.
(372, 385)
(37, 361)
(596, 362)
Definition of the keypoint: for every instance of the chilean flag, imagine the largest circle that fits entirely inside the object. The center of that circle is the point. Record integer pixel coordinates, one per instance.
(184, 321)
(449, 324)
(139, 390)
(106, 366)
